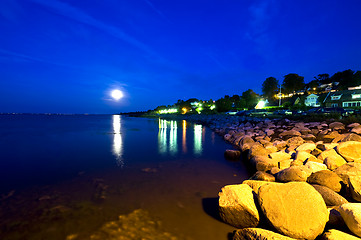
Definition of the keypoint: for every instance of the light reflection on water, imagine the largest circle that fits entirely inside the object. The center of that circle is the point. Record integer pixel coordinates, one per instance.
(170, 144)
(118, 140)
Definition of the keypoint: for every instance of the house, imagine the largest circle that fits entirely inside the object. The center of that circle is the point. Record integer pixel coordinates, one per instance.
(312, 100)
(345, 98)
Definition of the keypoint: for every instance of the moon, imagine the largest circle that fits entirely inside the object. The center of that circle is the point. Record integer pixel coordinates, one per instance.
(117, 94)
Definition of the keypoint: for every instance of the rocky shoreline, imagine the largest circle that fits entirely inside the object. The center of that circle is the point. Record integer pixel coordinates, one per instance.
(307, 180)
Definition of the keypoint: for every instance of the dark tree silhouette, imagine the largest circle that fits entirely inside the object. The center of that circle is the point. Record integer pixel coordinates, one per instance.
(292, 82)
(270, 87)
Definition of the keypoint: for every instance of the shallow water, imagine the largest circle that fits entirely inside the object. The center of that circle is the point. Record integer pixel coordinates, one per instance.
(104, 176)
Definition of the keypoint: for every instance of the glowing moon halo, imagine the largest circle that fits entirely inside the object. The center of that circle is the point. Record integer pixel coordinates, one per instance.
(117, 94)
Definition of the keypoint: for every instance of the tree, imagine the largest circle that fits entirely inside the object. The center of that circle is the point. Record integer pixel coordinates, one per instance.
(250, 98)
(323, 78)
(270, 87)
(357, 78)
(345, 79)
(292, 82)
(224, 104)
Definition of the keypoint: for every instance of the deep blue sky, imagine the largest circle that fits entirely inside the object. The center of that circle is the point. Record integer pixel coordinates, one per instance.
(66, 56)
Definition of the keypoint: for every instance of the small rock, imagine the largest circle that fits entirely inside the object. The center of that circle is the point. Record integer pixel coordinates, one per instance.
(307, 147)
(232, 154)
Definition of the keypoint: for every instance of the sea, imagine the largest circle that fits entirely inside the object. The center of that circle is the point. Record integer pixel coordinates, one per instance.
(111, 177)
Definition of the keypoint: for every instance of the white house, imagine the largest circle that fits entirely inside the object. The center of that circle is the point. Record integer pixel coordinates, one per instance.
(312, 100)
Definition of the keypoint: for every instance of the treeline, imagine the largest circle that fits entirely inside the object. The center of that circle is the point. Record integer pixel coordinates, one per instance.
(271, 87)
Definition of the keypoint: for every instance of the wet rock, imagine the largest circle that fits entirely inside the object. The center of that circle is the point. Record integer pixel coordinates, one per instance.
(258, 234)
(232, 154)
(285, 205)
(263, 176)
(326, 178)
(292, 174)
(350, 151)
(237, 206)
(330, 197)
(334, 234)
(136, 225)
(351, 214)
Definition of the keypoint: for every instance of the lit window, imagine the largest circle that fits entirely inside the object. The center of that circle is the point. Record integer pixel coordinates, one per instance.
(354, 96)
(336, 97)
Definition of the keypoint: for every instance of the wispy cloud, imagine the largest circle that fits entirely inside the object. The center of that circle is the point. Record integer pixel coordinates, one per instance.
(9, 55)
(78, 15)
(160, 13)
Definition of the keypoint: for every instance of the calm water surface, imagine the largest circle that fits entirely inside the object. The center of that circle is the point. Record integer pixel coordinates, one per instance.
(66, 177)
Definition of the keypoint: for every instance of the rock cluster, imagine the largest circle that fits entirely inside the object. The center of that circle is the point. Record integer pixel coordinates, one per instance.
(308, 178)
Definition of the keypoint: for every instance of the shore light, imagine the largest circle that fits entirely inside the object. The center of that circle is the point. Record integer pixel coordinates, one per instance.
(260, 104)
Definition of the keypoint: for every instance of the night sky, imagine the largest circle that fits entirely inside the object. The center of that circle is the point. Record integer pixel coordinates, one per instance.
(62, 56)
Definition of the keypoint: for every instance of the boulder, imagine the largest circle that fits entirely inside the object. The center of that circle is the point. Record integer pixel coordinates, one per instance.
(330, 197)
(303, 156)
(258, 234)
(280, 144)
(285, 206)
(292, 174)
(334, 161)
(295, 141)
(232, 154)
(330, 136)
(356, 129)
(351, 214)
(307, 147)
(352, 125)
(284, 164)
(351, 151)
(280, 156)
(289, 134)
(315, 166)
(334, 234)
(237, 206)
(327, 153)
(326, 146)
(257, 150)
(263, 163)
(347, 170)
(263, 176)
(309, 137)
(326, 178)
(256, 184)
(336, 126)
(354, 183)
(351, 137)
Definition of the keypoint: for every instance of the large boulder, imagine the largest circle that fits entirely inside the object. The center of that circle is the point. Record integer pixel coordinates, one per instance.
(355, 187)
(237, 206)
(326, 178)
(351, 214)
(327, 153)
(347, 170)
(351, 151)
(334, 234)
(285, 206)
(293, 174)
(330, 197)
(258, 234)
